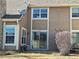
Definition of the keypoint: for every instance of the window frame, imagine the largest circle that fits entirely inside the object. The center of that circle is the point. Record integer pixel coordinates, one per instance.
(74, 41)
(22, 35)
(10, 44)
(46, 38)
(72, 13)
(40, 18)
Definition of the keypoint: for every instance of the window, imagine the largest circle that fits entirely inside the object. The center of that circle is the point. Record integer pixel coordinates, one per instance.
(40, 13)
(75, 12)
(10, 35)
(23, 37)
(35, 13)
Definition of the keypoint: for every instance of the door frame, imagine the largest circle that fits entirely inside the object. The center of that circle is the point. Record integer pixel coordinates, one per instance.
(21, 35)
(47, 39)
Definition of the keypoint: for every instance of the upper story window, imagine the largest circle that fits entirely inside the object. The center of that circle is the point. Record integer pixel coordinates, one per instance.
(75, 12)
(39, 13)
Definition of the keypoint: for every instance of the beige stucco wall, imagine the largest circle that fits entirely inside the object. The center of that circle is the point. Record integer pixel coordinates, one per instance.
(75, 24)
(2, 12)
(12, 6)
(59, 17)
(2, 7)
(53, 3)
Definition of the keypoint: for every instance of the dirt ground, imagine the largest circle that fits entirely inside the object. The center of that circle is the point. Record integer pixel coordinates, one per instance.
(38, 55)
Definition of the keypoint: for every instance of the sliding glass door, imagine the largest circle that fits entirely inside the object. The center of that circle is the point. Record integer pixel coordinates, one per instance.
(39, 40)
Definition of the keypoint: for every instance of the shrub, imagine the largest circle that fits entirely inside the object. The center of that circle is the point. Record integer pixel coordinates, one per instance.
(63, 42)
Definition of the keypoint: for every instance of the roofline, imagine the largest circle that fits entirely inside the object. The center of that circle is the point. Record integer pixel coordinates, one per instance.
(55, 5)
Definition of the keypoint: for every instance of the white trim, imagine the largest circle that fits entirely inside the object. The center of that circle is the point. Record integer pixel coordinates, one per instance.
(71, 23)
(40, 30)
(4, 35)
(48, 31)
(75, 31)
(39, 18)
(10, 44)
(10, 19)
(17, 36)
(21, 35)
(70, 19)
(75, 18)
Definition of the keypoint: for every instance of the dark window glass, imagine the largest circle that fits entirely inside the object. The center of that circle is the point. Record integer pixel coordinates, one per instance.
(36, 35)
(24, 37)
(75, 12)
(10, 34)
(36, 13)
(40, 13)
(43, 13)
(9, 39)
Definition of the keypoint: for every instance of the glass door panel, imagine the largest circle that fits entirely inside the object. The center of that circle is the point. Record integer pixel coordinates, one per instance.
(43, 40)
(35, 40)
(39, 40)
(75, 38)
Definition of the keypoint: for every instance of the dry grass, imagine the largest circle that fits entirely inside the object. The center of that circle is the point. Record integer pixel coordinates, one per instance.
(37, 55)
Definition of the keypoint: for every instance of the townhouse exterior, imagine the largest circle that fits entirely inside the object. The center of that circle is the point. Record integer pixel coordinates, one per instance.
(36, 29)
(43, 17)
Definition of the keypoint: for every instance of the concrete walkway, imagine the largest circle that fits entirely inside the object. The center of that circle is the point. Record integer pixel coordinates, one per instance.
(38, 55)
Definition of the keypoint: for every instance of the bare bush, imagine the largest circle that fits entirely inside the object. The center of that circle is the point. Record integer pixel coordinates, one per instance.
(63, 42)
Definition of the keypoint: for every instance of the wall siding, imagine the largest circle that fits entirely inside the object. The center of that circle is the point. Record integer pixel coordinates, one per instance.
(11, 23)
(10, 47)
(39, 24)
(29, 26)
(75, 24)
(59, 17)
